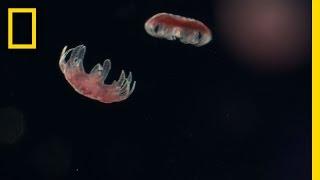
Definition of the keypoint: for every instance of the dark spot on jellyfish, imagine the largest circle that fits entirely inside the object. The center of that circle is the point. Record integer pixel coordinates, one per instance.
(51, 159)
(11, 125)
(199, 36)
(157, 28)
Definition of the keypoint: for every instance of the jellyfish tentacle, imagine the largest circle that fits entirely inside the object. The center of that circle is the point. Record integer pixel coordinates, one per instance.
(96, 69)
(106, 69)
(63, 51)
(121, 79)
(124, 90)
(129, 78)
(79, 57)
(74, 55)
(125, 87)
(62, 61)
(132, 88)
(76, 52)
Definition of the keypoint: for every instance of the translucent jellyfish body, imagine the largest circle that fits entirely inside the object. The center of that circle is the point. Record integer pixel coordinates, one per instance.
(92, 84)
(171, 27)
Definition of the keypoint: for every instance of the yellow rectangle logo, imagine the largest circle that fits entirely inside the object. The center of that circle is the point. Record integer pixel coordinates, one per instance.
(33, 44)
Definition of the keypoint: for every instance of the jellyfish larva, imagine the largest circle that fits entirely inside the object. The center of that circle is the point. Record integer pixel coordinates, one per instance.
(171, 27)
(92, 84)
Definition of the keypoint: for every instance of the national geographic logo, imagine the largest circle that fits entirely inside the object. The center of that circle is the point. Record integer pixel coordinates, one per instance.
(22, 11)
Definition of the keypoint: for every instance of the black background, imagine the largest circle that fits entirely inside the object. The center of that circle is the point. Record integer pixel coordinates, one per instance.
(195, 114)
(22, 28)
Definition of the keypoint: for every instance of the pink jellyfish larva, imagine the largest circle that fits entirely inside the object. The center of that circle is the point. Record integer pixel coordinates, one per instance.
(171, 27)
(92, 84)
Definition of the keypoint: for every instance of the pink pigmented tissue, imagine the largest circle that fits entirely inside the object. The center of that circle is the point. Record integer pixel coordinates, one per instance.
(92, 84)
(187, 30)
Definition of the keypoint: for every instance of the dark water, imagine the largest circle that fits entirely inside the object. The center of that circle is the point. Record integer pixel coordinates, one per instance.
(194, 115)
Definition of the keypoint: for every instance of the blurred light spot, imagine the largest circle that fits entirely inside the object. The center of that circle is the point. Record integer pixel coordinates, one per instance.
(11, 125)
(266, 34)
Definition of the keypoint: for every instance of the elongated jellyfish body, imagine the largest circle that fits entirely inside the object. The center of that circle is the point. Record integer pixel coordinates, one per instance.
(92, 84)
(171, 27)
